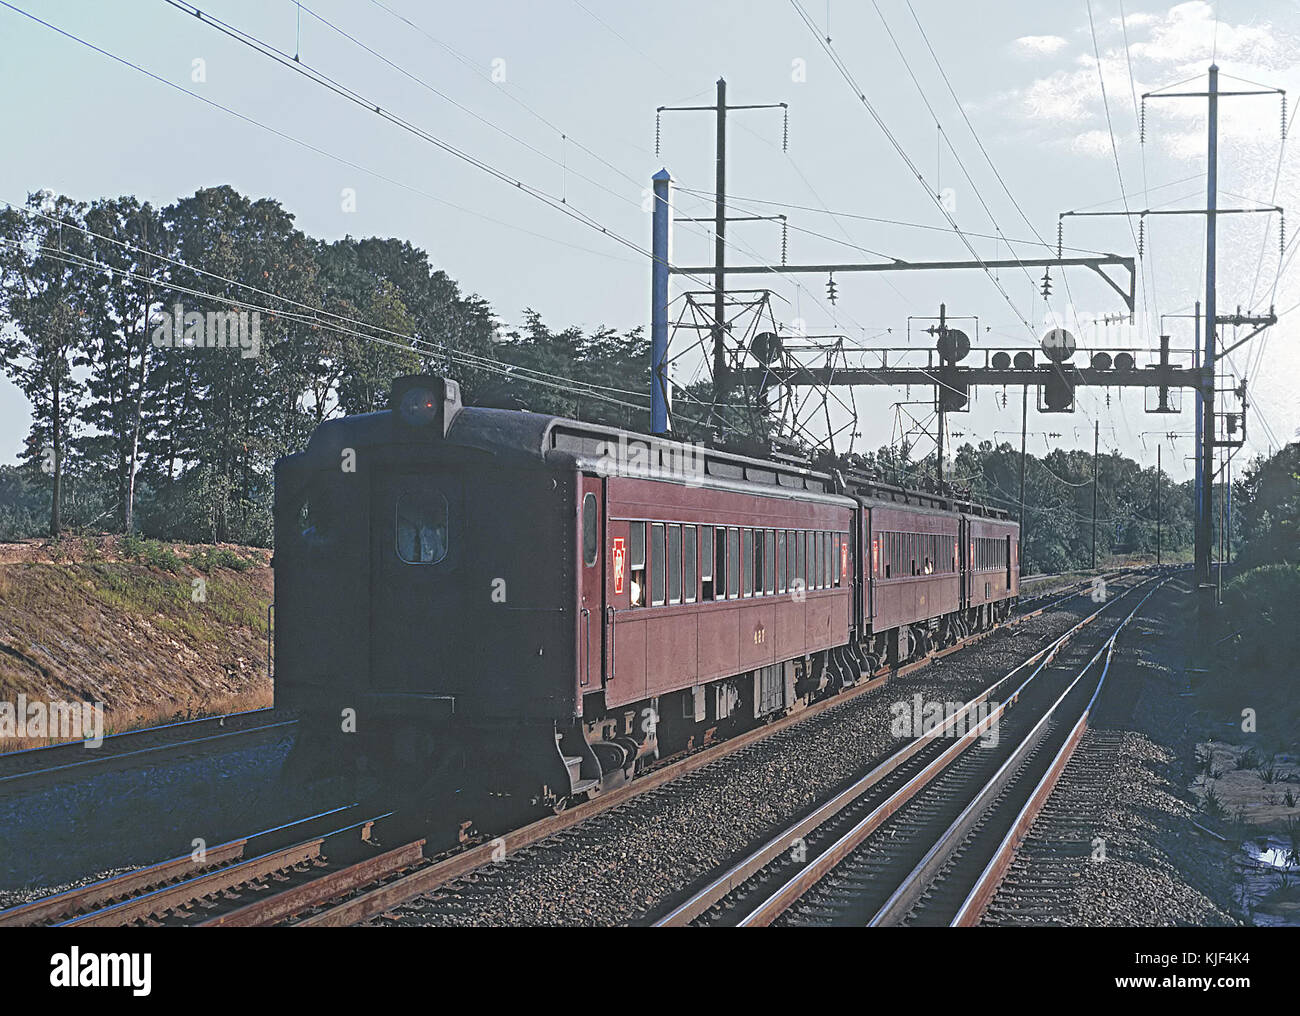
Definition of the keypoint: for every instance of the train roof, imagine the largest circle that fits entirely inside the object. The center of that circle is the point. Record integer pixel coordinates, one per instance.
(524, 437)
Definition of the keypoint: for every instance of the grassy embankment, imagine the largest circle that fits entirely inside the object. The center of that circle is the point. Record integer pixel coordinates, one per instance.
(154, 631)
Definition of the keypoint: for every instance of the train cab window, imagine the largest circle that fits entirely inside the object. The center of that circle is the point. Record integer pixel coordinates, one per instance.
(674, 564)
(689, 549)
(733, 563)
(770, 561)
(317, 522)
(421, 528)
(780, 561)
(747, 559)
(706, 563)
(719, 563)
(636, 563)
(658, 565)
(823, 552)
(590, 526)
(837, 573)
(889, 555)
(832, 564)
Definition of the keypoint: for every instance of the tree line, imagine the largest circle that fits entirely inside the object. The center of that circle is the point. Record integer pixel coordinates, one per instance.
(140, 424)
(161, 432)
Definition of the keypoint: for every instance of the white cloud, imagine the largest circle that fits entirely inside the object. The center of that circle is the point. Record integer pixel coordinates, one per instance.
(1187, 34)
(1039, 45)
(1063, 96)
(1094, 143)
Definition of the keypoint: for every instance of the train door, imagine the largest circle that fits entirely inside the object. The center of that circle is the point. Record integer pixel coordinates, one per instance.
(417, 543)
(871, 565)
(966, 549)
(591, 582)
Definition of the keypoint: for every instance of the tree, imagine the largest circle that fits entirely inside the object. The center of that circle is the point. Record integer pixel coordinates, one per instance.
(45, 295)
(1266, 502)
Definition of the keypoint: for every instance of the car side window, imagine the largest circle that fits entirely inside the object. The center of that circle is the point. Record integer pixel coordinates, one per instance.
(421, 528)
(590, 530)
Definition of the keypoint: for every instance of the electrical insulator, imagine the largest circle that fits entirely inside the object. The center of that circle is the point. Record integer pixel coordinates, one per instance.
(1107, 398)
(1281, 235)
(1284, 116)
(1142, 122)
(1047, 283)
(1060, 235)
(658, 118)
(1004, 396)
(785, 130)
(831, 293)
(785, 237)
(1141, 233)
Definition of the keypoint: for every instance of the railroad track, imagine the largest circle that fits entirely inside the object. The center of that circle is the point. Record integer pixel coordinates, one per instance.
(339, 876)
(252, 880)
(925, 836)
(70, 760)
(75, 759)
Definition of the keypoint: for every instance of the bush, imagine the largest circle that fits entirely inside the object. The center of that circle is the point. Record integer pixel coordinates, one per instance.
(219, 557)
(152, 553)
(1263, 607)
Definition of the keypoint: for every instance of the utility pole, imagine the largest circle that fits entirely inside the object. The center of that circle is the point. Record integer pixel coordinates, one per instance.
(1196, 450)
(1024, 423)
(1227, 497)
(1206, 519)
(661, 234)
(1096, 440)
(720, 251)
(1222, 539)
(938, 406)
(1207, 430)
(1159, 448)
(719, 267)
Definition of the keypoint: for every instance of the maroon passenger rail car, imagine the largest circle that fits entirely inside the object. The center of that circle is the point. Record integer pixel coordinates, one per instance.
(533, 607)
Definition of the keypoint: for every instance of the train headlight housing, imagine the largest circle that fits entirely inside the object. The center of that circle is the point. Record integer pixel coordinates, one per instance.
(424, 404)
(419, 407)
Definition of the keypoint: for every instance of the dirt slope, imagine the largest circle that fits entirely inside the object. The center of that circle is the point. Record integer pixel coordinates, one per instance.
(153, 631)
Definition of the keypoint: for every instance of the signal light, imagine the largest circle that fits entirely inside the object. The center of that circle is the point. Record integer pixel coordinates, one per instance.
(1057, 394)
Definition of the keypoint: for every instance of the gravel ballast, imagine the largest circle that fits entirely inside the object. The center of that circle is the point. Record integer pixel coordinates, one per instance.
(625, 863)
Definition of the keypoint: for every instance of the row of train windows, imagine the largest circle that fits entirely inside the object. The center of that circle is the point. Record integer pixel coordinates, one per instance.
(990, 553)
(902, 555)
(686, 563)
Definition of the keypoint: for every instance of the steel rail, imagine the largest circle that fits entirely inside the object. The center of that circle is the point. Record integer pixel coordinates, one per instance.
(436, 874)
(990, 879)
(719, 887)
(130, 885)
(174, 883)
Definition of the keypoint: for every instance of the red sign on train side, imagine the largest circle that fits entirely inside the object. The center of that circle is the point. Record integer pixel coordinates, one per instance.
(618, 564)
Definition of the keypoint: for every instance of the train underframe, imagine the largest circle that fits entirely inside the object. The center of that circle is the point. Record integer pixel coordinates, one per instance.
(437, 762)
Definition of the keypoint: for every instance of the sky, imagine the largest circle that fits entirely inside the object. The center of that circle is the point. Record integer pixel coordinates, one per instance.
(561, 96)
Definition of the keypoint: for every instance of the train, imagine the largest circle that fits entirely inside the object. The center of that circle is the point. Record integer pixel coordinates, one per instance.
(512, 605)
